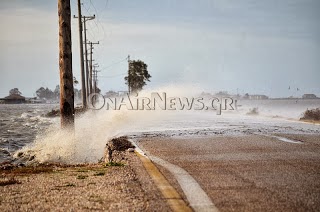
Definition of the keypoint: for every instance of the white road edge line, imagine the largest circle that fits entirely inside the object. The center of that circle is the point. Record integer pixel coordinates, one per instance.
(287, 140)
(281, 138)
(197, 197)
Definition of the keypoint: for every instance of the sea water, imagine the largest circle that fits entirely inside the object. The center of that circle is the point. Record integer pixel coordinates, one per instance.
(24, 129)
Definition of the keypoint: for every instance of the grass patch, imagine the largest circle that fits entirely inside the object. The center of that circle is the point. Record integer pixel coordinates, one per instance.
(10, 181)
(99, 174)
(115, 164)
(30, 170)
(82, 177)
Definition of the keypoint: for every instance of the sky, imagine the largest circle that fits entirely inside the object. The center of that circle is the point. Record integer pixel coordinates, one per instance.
(239, 46)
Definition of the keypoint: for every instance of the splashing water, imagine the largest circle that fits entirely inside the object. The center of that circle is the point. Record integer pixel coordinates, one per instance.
(92, 131)
(94, 128)
(86, 144)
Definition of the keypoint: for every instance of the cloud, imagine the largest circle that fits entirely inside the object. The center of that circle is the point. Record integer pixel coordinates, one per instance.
(236, 47)
(28, 25)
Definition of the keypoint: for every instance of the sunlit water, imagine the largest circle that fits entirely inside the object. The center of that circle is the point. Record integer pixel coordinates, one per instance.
(23, 128)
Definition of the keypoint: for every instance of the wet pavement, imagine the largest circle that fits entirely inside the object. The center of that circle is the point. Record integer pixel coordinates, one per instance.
(248, 172)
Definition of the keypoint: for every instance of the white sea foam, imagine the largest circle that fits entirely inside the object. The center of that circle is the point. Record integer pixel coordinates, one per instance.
(94, 128)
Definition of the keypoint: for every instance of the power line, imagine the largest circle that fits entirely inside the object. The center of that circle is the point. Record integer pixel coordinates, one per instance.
(93, 6)
(112, 64)
(105, 6)
(97, 24)
(91, 31)
(98, 19)
(112, 76)
(107, 2)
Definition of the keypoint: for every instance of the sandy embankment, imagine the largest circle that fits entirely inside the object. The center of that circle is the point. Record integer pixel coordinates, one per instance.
(91, 187)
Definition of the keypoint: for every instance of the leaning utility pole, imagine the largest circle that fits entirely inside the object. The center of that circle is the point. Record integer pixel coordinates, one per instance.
(83, 82)
(65, 65)
(90, 78)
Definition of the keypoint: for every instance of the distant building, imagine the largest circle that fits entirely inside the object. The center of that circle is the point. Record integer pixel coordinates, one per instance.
(35, 101)
(111, 94)
(309, 96)
(13, 99)
(122, 93)
(258, 97)
(222, 94)
(206, 94)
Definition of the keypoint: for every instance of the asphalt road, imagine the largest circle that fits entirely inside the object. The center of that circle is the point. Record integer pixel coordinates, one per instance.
(249, 172)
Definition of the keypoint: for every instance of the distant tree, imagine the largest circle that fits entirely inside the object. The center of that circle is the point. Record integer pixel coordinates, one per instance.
(41, 93)
(75, 81)
(246, 96)
(14, 91)
(56, 92)
(137, 76)
(45, 93)
(77, 93)
(98, 90)
(49, 94)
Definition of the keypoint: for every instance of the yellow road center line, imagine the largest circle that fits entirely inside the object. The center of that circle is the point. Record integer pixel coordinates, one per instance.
(173, 198)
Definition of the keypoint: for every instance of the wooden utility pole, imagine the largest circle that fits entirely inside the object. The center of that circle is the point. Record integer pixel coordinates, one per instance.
(85, 19)
(95, 77)
(65, 65)
(83, 77)
(90, 78)
(128, 73)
